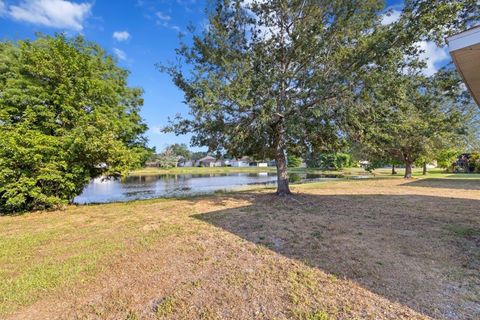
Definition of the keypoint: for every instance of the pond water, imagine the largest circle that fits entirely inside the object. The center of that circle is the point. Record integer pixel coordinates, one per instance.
(101, 190)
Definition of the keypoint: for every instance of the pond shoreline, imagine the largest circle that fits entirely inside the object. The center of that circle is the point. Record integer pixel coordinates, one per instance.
(138, 187)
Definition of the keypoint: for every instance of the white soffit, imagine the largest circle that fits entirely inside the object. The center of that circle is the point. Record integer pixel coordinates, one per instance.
(465, 50)
(464, 39)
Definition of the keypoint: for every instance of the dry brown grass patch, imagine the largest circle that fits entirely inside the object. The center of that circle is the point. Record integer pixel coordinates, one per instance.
(377, 249)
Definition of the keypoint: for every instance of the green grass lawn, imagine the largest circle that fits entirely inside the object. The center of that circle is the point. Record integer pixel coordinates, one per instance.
(295, 258)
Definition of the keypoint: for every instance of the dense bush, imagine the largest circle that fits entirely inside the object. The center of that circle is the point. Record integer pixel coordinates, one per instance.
(474, 163)
(330, 161)
(66, 115)
(446, 158)
(294, 162)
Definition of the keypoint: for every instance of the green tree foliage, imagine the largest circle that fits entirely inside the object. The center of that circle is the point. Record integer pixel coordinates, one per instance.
(330, 161)
(415, 117)
(267, 78)
(180, 150)
(474, 162)
(294, 161)
(447, 157)
(66, 116)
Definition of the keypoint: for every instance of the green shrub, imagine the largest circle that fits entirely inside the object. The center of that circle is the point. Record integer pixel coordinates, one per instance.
(329, 161)
(446, 158)
(474, 162)
(294, 161)
(66, 116)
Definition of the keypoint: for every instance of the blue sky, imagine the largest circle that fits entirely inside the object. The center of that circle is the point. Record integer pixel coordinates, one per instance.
(140, 33)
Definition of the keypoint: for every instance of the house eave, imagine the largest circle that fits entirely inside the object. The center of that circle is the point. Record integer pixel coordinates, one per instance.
(465, 51)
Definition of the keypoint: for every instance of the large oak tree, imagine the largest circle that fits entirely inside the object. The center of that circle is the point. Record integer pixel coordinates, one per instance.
(271, 78)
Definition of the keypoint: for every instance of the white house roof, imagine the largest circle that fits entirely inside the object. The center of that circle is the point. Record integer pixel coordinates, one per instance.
(207, 158)
(465, 51)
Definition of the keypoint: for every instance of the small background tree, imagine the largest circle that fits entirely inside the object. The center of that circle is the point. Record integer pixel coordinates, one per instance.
(180, 150)
(447, 157)
(416, 116)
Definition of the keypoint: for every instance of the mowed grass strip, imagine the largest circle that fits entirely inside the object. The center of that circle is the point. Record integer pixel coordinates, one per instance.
(42, 251)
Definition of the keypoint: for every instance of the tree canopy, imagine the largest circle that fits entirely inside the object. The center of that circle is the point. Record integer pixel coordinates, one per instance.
(66, 115)
(180, 149)
(271, 78)
(416, 117)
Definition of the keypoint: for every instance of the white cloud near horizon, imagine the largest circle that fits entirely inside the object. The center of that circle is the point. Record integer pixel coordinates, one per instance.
(61, 14)
(434, 56)
(120, 54)
(121, 35)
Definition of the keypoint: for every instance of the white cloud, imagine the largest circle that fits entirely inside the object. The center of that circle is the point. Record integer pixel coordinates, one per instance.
(162, 16)
(165, 24)
(434, 56)
(2, 8)
(121, 35)
(120, 54)
(51, 13)
(164, 21)
(157, 130)
(391, 16)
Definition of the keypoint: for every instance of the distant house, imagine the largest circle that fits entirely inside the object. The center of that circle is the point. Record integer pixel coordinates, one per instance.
(242, 162)
(364, 163)
(152, 164)
(207, 161)
(239, 163)
(260, 164)
(183, 162)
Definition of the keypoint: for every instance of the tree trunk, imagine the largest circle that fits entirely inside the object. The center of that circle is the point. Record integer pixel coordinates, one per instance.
(281, 162)
(424, 168)
(393, 169)
(408, 170)
(282, 176)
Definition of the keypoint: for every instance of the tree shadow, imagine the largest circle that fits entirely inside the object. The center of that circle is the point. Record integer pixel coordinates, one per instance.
(467, 184)
(403, 247)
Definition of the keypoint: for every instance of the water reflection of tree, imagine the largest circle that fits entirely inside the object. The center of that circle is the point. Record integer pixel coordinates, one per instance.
(176, 182)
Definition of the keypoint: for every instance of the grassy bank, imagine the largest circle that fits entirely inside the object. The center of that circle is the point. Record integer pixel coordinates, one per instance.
(347, 172)
(377, 248)
(200, 170)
